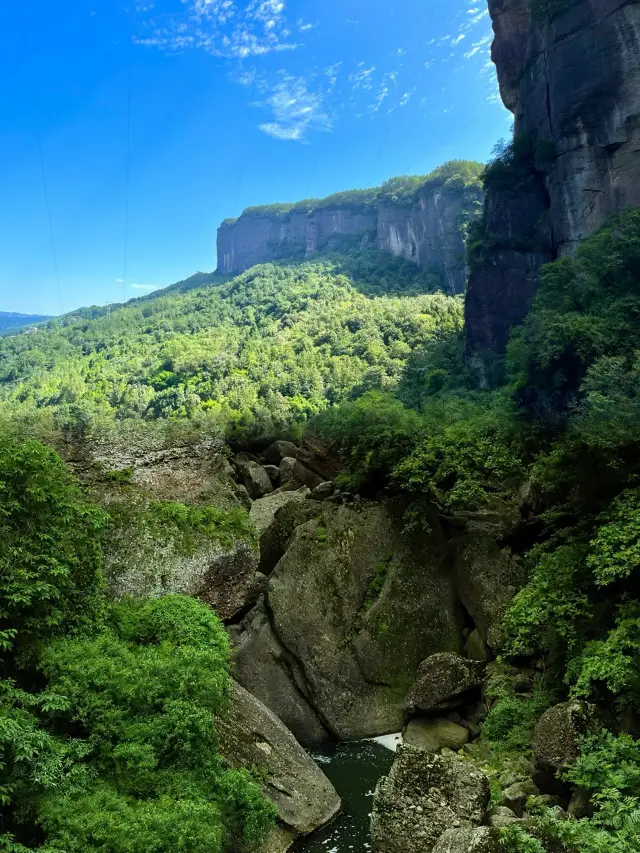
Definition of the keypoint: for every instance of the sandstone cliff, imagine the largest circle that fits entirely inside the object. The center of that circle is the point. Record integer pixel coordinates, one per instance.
(569, 70)
(426, 226)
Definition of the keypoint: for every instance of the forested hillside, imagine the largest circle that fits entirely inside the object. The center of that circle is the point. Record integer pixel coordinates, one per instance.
(257, 354)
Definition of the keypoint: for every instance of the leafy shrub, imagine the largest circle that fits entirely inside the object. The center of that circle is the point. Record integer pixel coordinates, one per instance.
(50, 560)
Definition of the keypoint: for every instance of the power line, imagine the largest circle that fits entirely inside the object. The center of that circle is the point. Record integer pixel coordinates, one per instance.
(246, 131)
(127, 168)
(48, 207)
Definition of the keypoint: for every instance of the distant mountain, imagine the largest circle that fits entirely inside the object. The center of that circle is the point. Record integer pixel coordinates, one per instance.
(10, 320)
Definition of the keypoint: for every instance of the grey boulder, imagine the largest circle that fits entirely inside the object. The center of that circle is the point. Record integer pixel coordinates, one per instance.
(443, 681)
(280, 450)
(423, 796)
(255, 479)
(252, 736)
(558, 733)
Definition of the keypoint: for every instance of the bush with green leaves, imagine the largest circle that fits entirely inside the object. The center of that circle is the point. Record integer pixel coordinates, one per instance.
(107, 713)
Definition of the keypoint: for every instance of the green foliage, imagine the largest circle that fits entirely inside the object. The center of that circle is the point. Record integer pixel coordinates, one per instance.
(107, 714)
(613, 662)
(186, 528)
(515, 710)
(615, 550)
(547, 615)
(453, 176)
(50, 560)
(259, 354)
(583, 323)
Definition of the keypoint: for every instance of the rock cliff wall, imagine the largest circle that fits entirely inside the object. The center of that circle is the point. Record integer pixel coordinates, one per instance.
(571, 77)
(428, 231)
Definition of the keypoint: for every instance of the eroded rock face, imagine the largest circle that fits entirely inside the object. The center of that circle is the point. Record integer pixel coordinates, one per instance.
(429, 233)
(423, 796)
(357, 605)
(444, 681)
(251, 735)
(266, 668)
(574, 85)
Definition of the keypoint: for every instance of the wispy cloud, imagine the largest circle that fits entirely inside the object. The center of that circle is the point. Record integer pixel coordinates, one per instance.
(144, 286)
(226, 28)
(296, 110)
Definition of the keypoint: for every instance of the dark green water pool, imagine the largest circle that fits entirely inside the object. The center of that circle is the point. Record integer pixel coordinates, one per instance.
(354, 770)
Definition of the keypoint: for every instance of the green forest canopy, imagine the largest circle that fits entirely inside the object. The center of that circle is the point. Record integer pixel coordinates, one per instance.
(453, 176)
(261, 352)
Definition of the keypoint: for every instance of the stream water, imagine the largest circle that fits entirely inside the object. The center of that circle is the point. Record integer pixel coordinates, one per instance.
(354, 769)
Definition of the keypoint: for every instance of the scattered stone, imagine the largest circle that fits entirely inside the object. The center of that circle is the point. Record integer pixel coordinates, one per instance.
(250, 735)
(279, 450)
(444, 681)
(324, 490)
(242, 495)
(515, 796)
(254, 477)
(287, 467)
(476, 648)
(273, 472)
(436, 734)
(450, 792)
(479, 840)
(558, 733)
(502, 816)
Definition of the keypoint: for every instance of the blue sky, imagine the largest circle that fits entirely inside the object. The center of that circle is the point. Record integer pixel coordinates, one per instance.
(209, 106)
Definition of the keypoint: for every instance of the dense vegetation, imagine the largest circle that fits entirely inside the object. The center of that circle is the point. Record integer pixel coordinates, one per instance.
(257, 354)
(453, 176)
(566, 424)
(107, 713)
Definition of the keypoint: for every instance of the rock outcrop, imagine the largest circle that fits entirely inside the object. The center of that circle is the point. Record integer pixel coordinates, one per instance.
(251, 736)
(353, 607)
(573, 85)
(429, 232)
(479, 840)
(423, 797)
(444, 681)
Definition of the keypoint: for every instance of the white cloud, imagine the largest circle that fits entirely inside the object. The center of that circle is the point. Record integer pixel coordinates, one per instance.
(144, 286)
(361, 79)
(296, 110)
(120, 280)
(226, 28)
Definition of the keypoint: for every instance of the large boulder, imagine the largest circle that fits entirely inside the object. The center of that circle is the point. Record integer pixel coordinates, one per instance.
(304, 475)
(434, 734)
(251, 736)
(255, 479)
(265, 667)
(275, 537)
(263, 511)
(423, 796)
(146, 556)
(479, 840)
(444, 681)
(558, 732)
(359, 604)
(280, 450)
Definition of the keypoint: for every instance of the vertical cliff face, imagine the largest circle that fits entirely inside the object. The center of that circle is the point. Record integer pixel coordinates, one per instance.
(427, 229)
(571, 77)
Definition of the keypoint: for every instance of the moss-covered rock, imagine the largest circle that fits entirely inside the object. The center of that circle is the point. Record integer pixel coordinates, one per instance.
(423, 796)
(443, 681)
(558, 732)
(251, 736)
(359, 604)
